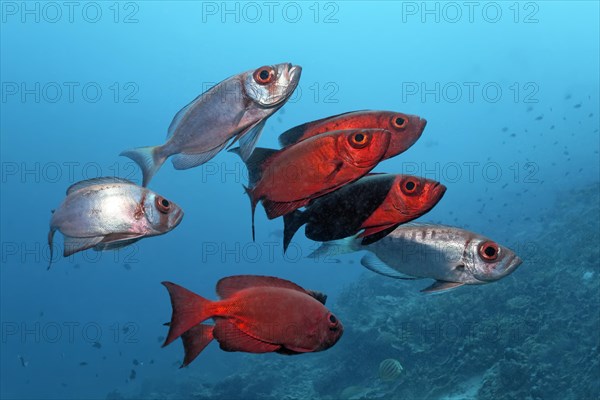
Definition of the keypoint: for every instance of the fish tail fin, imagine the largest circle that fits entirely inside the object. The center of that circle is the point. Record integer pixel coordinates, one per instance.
(291, 223)
(194, 341)
(253, 202)
(51, 244)
(337, 247)
(149, 160)
(189, 309)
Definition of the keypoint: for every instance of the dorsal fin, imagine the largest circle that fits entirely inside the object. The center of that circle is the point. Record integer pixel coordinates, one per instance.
(255, 163)
(296, 134)
(228, 286)
(97, 181)
(179, 116)
(320, 296)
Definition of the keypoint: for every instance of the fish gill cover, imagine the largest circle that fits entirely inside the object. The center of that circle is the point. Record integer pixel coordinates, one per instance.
(494, 105)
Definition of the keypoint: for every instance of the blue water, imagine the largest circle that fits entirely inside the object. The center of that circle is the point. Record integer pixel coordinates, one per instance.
(510, 92)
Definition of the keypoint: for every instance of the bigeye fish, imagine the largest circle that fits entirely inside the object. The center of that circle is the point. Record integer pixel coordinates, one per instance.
(287, 179)
(452, 256)
(256, 314)
(237, 108)
(405, 129)
(374, 205)
(109, 213)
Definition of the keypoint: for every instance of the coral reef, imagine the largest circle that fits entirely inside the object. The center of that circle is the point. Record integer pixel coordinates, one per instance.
(534, 335)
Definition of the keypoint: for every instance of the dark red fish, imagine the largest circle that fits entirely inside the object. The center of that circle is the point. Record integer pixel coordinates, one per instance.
(375, 205)
(406, 129)
(285, 180)
(257, 314)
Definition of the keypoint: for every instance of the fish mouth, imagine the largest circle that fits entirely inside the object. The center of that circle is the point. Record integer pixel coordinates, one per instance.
(512, 265)
(177, 217)
(422, 124)
(438, 188)
(500, 273)
(293, 73)
(437, 192)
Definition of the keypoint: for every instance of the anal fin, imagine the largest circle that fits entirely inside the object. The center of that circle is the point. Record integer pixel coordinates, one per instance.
(373, 263)
(276, 209)
(187, 161)
(230, 338)
(373, 234)
(441, 286)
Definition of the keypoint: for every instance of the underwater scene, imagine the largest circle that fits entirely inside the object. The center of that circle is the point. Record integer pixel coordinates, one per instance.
(214, 200)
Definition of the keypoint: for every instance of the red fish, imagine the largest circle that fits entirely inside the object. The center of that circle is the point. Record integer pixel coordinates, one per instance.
(375, 205)
(257, 314)
(285, 180)
(406, 129)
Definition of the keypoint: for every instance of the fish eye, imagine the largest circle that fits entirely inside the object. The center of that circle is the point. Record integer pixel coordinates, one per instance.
(410, 186)
(162, 204)
(399, 122)
(359, 140)
(332, 319)
(489, 251)
(264, 75)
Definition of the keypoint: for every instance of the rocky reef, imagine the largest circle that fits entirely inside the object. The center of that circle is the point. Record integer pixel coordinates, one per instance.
(534, 335)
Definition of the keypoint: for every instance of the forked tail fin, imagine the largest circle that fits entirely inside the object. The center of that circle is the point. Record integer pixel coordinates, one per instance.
(149, 160)
(189, 310)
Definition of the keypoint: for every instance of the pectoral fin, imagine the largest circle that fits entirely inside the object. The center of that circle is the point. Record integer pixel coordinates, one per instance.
(335, 167)
(75, 244)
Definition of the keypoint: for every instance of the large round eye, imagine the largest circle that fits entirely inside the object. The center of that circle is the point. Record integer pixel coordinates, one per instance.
(410, 186)
(333, 321)
(264, 75)
(399, 121)
(489, 251)
(359, 140)
(162, 204)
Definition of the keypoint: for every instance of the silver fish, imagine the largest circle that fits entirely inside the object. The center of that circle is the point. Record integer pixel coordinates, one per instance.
(452, 256)
(109, 213)
(237, 108)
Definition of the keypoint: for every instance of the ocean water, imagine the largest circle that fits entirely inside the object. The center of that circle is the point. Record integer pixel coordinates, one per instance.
(510, 91)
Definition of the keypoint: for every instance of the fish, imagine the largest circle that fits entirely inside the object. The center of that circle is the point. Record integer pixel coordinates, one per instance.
(452, 256)
(285, 180)
(256, 314)
(390, 369)
(405, 129)
(375, 204)
(24, 363)
(236, 108)
(108, 213)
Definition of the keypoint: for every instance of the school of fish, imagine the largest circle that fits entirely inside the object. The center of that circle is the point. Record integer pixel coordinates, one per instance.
(321, 178)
